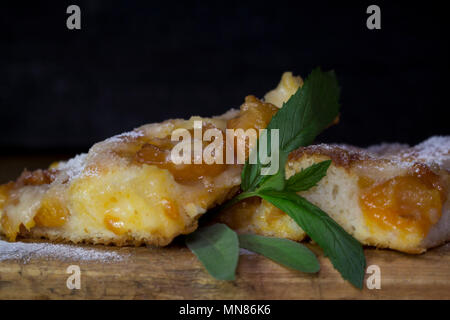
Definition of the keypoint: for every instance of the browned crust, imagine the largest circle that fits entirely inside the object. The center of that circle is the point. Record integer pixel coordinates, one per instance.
(340, 156)
(119, 241)
(36, 177)
(428, 161)
(347, 156)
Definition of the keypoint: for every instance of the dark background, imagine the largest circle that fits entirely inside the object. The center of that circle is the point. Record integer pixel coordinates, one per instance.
(138, 62)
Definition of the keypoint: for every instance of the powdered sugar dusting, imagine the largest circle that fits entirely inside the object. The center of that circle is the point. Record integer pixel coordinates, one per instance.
(434, 150)
(24, 252)
(74, 167)
(434, 153)
(386, 148)
(126, 135)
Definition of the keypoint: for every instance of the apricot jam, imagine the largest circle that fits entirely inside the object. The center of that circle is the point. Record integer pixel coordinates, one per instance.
(171, 209)
(254, 114)
(158, 153)
(51, 213)
(36, 177)
(410, 203)
(114, 224)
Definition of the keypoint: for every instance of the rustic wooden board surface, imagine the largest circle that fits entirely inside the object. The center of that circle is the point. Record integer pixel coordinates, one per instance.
(174, 273)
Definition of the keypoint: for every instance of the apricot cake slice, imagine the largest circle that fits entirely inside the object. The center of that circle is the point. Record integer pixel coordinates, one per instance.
(126, 189)
(388, 196)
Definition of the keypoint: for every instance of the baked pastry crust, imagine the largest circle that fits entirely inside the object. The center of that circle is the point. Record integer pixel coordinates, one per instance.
(388, 196)
(126, 189)
(113, 195)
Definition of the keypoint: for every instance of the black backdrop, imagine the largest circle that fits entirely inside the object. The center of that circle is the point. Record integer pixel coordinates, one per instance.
(139, 62)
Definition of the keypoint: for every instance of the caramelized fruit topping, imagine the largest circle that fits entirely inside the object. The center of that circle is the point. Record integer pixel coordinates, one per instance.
(410, 203)
(158, 153)
(254, 114)
(37, 177)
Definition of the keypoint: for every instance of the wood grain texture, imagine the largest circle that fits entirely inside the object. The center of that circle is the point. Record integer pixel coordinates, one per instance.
(174, 273)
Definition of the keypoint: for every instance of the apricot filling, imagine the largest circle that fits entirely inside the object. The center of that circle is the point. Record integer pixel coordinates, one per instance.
(171, 209)
(159, 153)
(410, 203)
(51, 213)
(254, 114)
(114, 224)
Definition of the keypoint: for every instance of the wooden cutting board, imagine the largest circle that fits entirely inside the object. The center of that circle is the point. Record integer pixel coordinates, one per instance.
(175, 273)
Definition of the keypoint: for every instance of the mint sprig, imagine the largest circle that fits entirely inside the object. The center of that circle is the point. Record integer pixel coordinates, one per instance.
(344, 251)
(283, 251)
(217, 247)
(309, 111)
(307, 178)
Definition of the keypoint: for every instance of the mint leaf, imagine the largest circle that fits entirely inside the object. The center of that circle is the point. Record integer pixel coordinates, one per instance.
(283, 251)
(217, 248)
(308, 178)
(309, 111)
(250, 175)
(344, 251)
(278, 180)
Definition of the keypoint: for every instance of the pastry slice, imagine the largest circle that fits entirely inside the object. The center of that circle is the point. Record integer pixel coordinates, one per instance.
(388, 196)
(126, 189)
(123, 191)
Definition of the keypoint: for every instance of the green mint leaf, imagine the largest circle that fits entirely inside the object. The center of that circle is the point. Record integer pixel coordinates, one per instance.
(276, 181)
(217, 248)
(250, 175)
(283, 251)
(344, 251)
(309, 111)
(307, 178)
